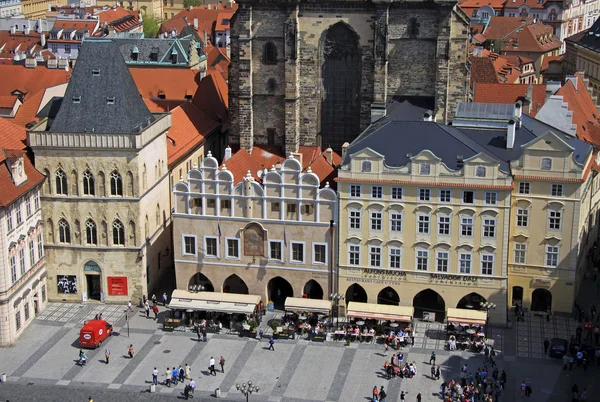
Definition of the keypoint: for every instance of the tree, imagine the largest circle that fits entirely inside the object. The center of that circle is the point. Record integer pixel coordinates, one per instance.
(150, 27)
(192, 3)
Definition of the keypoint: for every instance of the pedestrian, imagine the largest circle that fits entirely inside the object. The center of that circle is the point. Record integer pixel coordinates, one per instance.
(523, 388)
(486, 353)
(147, 308)
(164, 299)
(186, 391)
(188, 371)
(583, 395)
(271, 342)
(154, 299)
(174, 375)
(181, 374)
(548, 314)
(192, 386)
(155, 310)
(107, 355)
(211, 366)
(261, 333)
(130, 351)
(168, 375)
(528, 389)
(129, 306)
(382, 394)
(403, 396)
(433, 372)
(412, 339)
(222, 363)
(385, 348)
(375, 393)
(204, 335)
(432, 358)
(198, 331)
(438, 373)
(546, 345)
(419, 397)
(155, 376)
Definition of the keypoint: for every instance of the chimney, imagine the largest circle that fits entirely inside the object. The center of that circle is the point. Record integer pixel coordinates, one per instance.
(39, 26)
(196, 23)
(204, 37)
(13, 29)
(428, 116)
(377, 111)
(345, 149)
(26, 30)
(43, 40)
(518, 109)
(202, 72)
(227, 155)
(329, 155)
(510, 134)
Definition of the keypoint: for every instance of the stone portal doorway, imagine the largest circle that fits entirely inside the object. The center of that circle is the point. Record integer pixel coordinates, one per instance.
(93, 275)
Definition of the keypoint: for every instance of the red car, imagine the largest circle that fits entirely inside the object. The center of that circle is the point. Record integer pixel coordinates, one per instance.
(93, 333)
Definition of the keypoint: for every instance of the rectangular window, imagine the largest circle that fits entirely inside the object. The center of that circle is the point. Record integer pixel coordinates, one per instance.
(376, 218)
(487, 264)
(468, 197)
(36, 201)
(556, 190)
(376, 192)
(466, 226)
(233, 248)
(297, 252)
(28, 207)
(397, 193)
(22, 260)
(422, 260)
(67, 48)
(489, 227)
(554, 218)
(524, 188)
(445, 195)
(491, 198)
(291, 208)
(444, 225)
(425, 169)
(9, 219)
(211, 246)
(354, 255)
(13, 268)
(40, 246)
(520, 253)
(189, 245)
(31, 252)
(396, 222)
(522, 217)
(18, 319)
(423, 224)
(43, 293)
(355, 217)
(355, 190)
(464, 263)
(424, 194)
(307, 209)
(442, 261)
(26, 309)
(319, 253)
(274, 207)
(275, 250)
(552, 256)
(395, 258)
(225, 204)
(375, 256)
(19, 216)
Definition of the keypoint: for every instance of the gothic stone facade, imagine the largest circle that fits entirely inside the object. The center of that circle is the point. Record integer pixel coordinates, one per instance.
(308, 72)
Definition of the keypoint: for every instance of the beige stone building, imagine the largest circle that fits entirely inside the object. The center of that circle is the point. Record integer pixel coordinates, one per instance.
(23, 292)
(269, 233)
(106, 203)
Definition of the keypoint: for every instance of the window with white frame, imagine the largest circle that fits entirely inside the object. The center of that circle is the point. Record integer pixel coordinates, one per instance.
(556, 190)
(444, 225)
(319, 253)
(9, 219)
(442, 261)
(233, 248)
(26, 310)
(554, 220)
(466, 226)
(297, 252)
(445, 195)
(468, 197)
(520, 253)
(464, 262)
(275, 250)
(424, 194)
(22, 261)
(546, 164)
(480, 171)
(395, 257)
(487, 264)
(13, 268)
(489, 227)
(397, 193)
(376, 192)
(211, 248)
(375, 256)
(28, 206)
(376, 218)
(491, 198)
(189, 245)
(395, 221)
(424, 169)
(524, 188)
(552, 256)
(18, 214)
(522, 217)
(422, 260)
(18, 319)
(423, 223)
(365, 166)
(40, 246)
(354, 254)
(355, 190)
(354, 216)
(36, 201)
(31, 252)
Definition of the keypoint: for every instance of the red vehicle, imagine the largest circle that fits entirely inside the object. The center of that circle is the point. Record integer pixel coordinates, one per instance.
(93, 333)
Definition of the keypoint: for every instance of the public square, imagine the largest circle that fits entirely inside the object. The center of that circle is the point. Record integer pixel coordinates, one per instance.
(41, 365)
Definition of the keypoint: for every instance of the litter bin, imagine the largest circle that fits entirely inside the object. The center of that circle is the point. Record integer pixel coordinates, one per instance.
(218, 393)
(152, 388)
(3, 377)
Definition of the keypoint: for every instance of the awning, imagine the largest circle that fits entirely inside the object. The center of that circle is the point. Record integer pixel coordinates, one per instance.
(464, 316)
(308, 305)
(380, 312)
(232, 303)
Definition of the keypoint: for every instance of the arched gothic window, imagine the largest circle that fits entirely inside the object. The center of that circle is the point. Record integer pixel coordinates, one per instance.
(270, 53)
(91, 232)
(88, 183)
(64, 231)
(61, 182)
(116, 184)
(118, 233)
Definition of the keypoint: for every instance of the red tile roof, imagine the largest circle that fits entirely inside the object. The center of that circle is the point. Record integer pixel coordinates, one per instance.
(19, 42)
(500, 27)
(207, 16)
(7, 101)
(162, 105)
(510, 93)
(176, 24)
(551, 59)
(222, 22)
(217, 60)
(173, 83)
(30, 80)
(90, 24)
(240, 163)
(212, 98)
(533, 38)
(28, 110)
(120, 19)
(482, 71)
(585, 114)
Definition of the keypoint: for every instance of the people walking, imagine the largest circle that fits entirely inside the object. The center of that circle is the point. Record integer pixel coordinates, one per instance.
(155, 376)
(271, 343)
(403, 396)
(147, 308)
(385, 349)
(154, 299)
(432, 358)
(192, 386)
(438, 373)
(168, 375)
(382, 394)
(222, 363)
(155, 310)
(188, 371)
(528, 389)
(211, 366)
(164, 299)
(433, 371)
(107, 355)
(375, 393)
(181, 374)
(175, 375)
(130, 351)
(204, 335)
(129, 306)
(419, 397)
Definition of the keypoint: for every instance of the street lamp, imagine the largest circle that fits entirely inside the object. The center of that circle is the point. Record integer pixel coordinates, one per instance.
(336, 297)
(247, 388)
(487, 306)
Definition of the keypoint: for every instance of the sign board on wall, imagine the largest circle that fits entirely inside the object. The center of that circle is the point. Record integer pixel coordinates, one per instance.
(117, 286)
(542, 282)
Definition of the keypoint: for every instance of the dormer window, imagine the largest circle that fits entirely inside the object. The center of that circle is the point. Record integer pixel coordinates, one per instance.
(110, 100)
(96, 73)
(366, 166)
(546, 164)
(425, 169)
(77, 99)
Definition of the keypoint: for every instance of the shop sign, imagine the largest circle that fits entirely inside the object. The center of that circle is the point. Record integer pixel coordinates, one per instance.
(117, 286)
(542, 282)
(453, 279)
(376, 273)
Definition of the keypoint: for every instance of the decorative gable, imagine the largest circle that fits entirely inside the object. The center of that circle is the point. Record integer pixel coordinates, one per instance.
(16, 165)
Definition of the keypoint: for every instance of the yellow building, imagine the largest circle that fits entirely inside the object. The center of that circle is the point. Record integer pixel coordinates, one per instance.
(34, 9)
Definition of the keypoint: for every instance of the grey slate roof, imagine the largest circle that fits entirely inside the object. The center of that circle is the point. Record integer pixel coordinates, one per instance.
(590, 39)
(85, 107)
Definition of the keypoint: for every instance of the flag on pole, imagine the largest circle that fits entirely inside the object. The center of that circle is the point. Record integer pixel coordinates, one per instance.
(219, 230)
(284, 236)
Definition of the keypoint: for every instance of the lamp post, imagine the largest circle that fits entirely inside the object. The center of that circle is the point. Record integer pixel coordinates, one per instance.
(487, 306)
(336, 297)
(247, 389)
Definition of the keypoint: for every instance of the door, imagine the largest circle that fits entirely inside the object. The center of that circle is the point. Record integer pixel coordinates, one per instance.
(36, 304)
(93, 287)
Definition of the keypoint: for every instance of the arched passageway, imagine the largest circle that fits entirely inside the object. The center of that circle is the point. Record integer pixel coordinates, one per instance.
(235, 284)
(429, 301)
(388, 296)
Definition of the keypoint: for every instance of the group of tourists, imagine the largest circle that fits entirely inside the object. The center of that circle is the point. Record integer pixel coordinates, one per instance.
(175, 376)
(484, 386)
